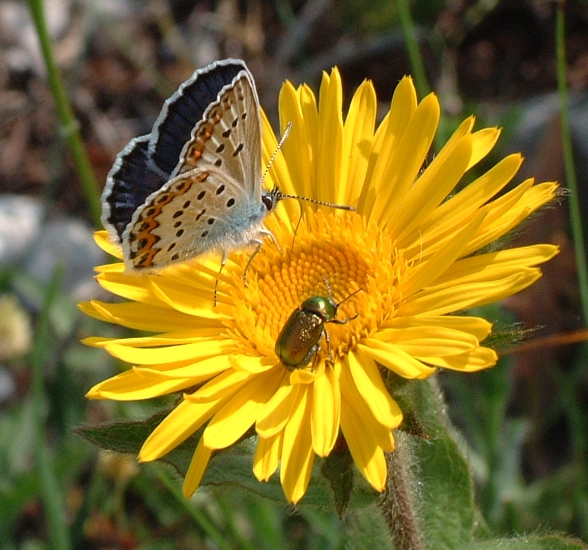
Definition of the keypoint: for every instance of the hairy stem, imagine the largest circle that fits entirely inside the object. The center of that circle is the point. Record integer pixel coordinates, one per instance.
(398, 502)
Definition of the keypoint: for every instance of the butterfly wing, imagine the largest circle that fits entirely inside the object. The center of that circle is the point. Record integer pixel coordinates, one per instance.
(195, 212)
(229, 136)
(130, 181)
(189, 108)
(149, 162)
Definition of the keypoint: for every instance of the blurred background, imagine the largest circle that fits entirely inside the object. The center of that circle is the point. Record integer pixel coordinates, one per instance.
(524, 424)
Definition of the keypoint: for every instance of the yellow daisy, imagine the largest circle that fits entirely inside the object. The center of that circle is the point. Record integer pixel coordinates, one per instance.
(411, 249)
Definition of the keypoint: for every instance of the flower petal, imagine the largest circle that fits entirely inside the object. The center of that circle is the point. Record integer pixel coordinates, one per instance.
(459, 209)
(326, 412)
(368, 381)
(196, 470)
(483, 141)
(478, 359)
(138, 316)
(198, 371)
(330, 138)
(364, 437)
(297, 453)
(358, 134)
(240, 412)
(297, 148)
(179, 424)
(440, 301)
(432, 187)
(476, 326)
(267, 456)
(393, 358)
(131, 386)
(278, 409)
(204, 349)
(429, 341)
(103, 240)
(405, 163)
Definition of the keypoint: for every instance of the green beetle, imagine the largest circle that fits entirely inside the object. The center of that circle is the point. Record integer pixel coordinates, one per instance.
(299, 339)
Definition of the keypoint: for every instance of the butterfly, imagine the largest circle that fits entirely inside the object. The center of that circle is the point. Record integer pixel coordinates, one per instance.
(194, 183)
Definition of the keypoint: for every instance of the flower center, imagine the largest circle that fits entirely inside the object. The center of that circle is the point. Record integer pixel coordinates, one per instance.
(332, 256)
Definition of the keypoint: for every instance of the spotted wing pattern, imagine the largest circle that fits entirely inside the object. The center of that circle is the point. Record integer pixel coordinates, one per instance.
(165, 210)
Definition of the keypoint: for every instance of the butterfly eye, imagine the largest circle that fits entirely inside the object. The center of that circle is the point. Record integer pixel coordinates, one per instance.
(268, 201)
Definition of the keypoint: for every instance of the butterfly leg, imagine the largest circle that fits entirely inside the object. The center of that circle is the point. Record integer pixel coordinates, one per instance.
(258, 243)
(223, 262)
(269, 234)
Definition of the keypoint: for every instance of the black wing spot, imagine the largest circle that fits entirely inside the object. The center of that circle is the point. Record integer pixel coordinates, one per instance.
(175, 257)
(201, 214)
(210, 221)
(187, 205)
(204, 234)
(226, 133)
(235, 122)
(179, 232)
(179, 213)
(238, 149)
(171, 247)
(218, 163)
(220, 148)
(180, 185)
(244, 115)
(177, 224)
(201, 195)
(220, 189)
(163, 198)
(230, 202)
(142, 243)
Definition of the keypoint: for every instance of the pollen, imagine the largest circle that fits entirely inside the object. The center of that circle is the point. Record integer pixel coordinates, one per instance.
(332, 255)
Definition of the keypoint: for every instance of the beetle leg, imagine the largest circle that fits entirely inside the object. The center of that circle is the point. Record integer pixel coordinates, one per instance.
(344, 321)
(313, 351)
(328, 339)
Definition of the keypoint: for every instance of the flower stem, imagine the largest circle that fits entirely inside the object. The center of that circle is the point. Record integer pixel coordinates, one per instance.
(575, 211)
(50, 485)
(398, 503)
(412, 46)
(69, 125)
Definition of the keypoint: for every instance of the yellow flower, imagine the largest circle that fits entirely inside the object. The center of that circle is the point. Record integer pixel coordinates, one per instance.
(412, 248)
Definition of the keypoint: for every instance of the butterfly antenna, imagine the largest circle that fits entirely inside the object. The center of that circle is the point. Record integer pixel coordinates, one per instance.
(316, 201)
(279, 195)
(273, 157)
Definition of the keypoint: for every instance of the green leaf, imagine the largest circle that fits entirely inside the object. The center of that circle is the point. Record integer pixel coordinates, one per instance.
(228, 468)
(128, 436)
(535, 542)
(338, 470)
